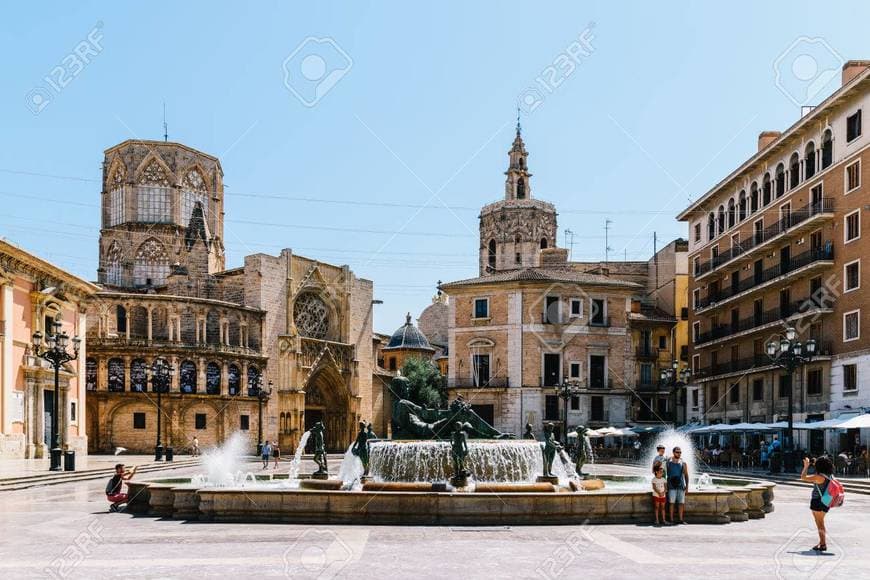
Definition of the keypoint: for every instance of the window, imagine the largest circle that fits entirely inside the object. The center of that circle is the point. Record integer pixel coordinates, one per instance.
(117, 374)
(518, 259)
(153, 204)
(853, 176)
(695, 398)
(646, 374)
(480, 367)
(810, 160)
(244, 422)
(794, 171)
(213, 379)
(784, 386)
(576, 307)
(194, 193)
(714, 396)
(696, 265)
(138, 376)
(758, 390)
(138, 420)
(696, 298)
(575, 403)
(753, 198)
(711, 226)
(853, 126)
(851, 325)
(199, 421)
(551, 310)
(734, 394)
(234, 379)
(151, 266)
(521, 188)
(481, 307)
(696, 332)
(392, 363)
(121, 318)
(187, 377)
(852, 276)
(696, 363)
(814, 382)
(574, 370)
(91, 374)
(765, 190)
(551, 408)
(112, 264)
(544, 243)
(697, 232)
(850, 377)
(72, 411)
(596, 409)
(490, 255)
(827, 149)
(598, 312)
(852, 230)
(780, 180)
(663, 342)
(117, 206)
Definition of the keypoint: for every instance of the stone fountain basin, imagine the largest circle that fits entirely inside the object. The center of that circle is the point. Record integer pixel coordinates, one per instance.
(178, 499)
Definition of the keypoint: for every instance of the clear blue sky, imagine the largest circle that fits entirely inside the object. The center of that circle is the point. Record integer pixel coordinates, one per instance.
(669, 101)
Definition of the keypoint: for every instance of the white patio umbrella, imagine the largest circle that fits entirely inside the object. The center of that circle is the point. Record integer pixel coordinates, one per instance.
(859, 422)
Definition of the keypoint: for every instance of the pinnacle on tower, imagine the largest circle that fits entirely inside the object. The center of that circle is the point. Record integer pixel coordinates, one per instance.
(518, 184)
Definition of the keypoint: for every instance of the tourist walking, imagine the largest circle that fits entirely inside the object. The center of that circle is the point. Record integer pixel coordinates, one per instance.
(276, 454)
(774, 456)
(266, 453)
(678, 482)
(821, 481)
(114, 491)
(194, 447)
(659, 494)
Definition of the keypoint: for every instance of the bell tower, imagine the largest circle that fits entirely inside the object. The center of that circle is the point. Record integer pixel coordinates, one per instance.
(518, 183)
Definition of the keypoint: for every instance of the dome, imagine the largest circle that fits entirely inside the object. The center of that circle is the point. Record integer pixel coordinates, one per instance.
(409, 337)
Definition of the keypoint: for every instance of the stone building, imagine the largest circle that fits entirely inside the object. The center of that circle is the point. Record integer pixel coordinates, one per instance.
(297, 324)
(532, 320)
(406, 342)
(779, 242)
(33, 295)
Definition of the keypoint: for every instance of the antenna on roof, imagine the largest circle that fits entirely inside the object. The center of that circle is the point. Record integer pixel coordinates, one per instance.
(519, 128)
(165, 126)
(569, 244)
(607, 247)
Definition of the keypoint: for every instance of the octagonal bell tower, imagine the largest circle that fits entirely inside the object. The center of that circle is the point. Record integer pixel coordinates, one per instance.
(513, 231)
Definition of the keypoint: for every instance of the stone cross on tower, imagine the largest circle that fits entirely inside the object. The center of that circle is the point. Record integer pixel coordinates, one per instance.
(518, 182)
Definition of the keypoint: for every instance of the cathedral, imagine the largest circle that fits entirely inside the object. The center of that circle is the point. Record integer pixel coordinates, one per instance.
(287, 332)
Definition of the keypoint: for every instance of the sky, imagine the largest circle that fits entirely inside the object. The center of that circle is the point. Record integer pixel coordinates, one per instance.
(370, 133)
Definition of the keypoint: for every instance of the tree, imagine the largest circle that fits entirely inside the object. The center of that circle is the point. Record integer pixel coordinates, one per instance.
(424, 382)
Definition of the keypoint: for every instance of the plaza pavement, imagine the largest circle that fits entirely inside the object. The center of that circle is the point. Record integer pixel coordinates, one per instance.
(64, 531)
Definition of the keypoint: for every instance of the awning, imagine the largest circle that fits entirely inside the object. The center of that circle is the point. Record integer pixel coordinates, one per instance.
(859, 422)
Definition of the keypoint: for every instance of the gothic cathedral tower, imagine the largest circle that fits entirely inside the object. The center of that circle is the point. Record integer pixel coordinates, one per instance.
(513, 231)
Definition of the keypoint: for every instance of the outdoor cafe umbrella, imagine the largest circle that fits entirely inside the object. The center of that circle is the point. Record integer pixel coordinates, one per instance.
(859, 422)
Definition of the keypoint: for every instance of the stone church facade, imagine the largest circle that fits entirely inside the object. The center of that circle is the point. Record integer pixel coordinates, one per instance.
(293, 324)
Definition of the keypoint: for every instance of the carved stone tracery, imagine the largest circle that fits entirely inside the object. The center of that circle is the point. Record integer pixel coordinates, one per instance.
(311, 316)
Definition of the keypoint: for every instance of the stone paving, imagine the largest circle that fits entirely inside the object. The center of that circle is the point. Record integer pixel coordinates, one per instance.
(64, 531)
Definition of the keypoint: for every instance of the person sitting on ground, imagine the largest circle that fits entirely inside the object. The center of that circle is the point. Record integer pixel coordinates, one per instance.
(678, 483)
(114, 491)
(659, 494)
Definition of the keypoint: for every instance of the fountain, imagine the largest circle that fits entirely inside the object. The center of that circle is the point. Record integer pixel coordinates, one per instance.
(297, 457)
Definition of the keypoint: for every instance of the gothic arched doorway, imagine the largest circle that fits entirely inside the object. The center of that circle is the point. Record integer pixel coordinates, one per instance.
(327, 399)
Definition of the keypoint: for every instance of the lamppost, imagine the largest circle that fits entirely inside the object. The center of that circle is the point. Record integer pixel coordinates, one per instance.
(675, 378)
(565, 391)
(262, 396)
(161, 373)
(54, 351)
(790, 354)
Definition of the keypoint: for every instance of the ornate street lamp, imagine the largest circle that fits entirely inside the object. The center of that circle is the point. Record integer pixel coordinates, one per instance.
(55, 352)
(790, 354)
(262, 397)
(675, 378)
(161, 376)
(566, 391)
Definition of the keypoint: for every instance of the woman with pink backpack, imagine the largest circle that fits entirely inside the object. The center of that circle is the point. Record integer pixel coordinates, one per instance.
(827, 493)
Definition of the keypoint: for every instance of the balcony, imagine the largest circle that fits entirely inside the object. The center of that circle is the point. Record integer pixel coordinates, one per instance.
(599, 383)
(646, 353)
(745, 286)
(785, 312)
(792, 222)
(756, 362)
(471, 383)
(120, 342)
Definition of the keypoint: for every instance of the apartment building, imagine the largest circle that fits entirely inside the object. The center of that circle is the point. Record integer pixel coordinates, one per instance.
(779, 242)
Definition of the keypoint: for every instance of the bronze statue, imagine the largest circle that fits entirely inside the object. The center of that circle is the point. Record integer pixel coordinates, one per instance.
(320, 450)
(360, 447)
(370, 432)
(528, 433)
(582, 451)
(459, 452)
(550, 448)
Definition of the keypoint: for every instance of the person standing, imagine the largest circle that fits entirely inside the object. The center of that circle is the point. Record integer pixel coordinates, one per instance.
(194, 447)
(276, 454)
(822, 477)
(678, 482)
(266, 453)
(659, 494)
(660, 455)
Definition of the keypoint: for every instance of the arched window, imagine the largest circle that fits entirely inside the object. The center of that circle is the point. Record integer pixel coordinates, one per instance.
(522, 163)
(213, 378)
(711, 226)
(120, 319)
(766, 190)
(827, 149)
(721, 219)
(188, 377)
(810, 160)
(518, 239)
(161, 382)
(91, 374)
(490, 258)
(253, 381)
(151, 266)
(117, 377)
(544, 243)
(117, 197)
(794, 171)
(741, 207)
(521, 188)
(780, 180)
(153, 195)
(138, 376)
(193, 192)
(112, 264)
(732, 213)
(753, 198)
(234, 379)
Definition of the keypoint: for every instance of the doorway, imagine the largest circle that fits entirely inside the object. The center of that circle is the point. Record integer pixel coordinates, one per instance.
(48, 405)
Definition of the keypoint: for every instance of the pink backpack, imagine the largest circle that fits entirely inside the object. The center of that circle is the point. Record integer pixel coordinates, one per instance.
(834, 494)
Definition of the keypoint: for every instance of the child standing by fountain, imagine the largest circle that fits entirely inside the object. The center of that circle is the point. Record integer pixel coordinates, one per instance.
(659, 493)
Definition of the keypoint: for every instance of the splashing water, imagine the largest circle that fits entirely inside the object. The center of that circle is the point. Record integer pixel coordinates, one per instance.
(351, 469)
(223, 464)
(297, 457)
(671, 439)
